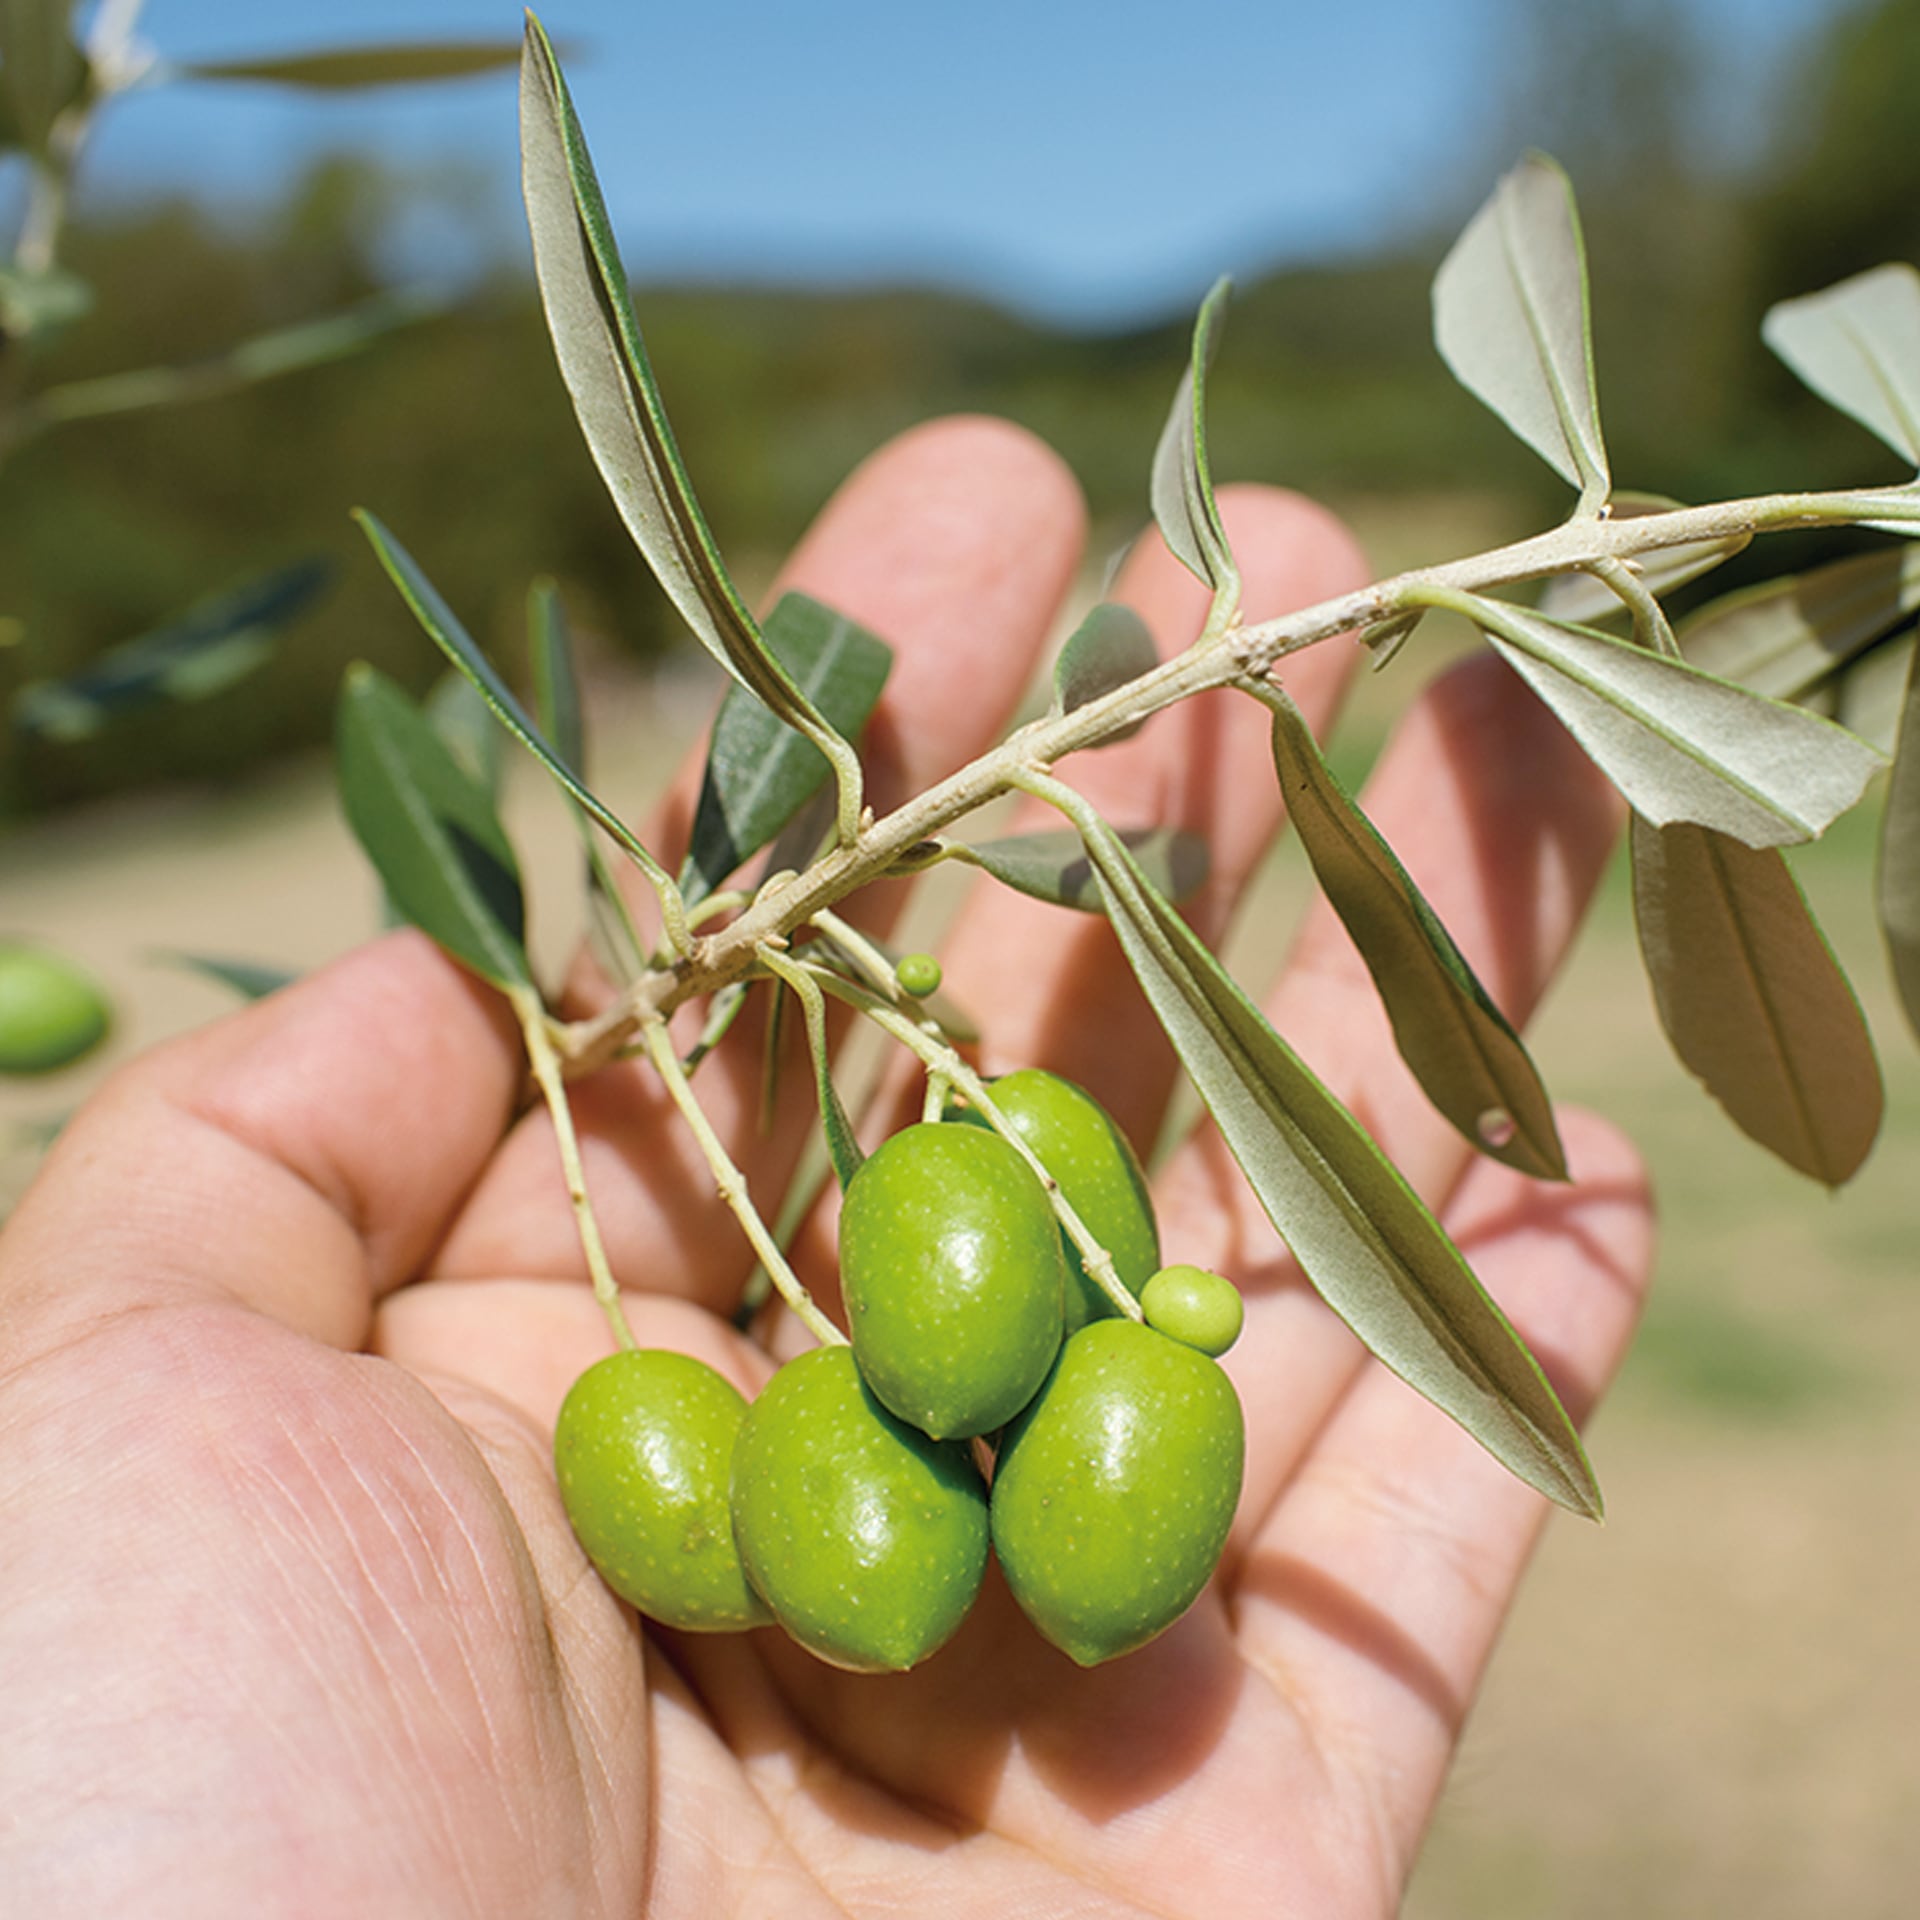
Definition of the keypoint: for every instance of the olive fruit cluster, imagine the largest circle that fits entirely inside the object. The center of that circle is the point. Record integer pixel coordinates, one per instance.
(848, 1502)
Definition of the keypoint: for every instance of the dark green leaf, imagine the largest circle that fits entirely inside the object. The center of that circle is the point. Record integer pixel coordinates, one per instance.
(207, 650)
(1360, 1233)
(1456, 1041)
(1510, 318)
(1680, 744)
(429, 829)
(843, 1147)
(1054, 866)
(42, 71)
(437, 621)
(1857, 345)
(1111, 646)
(1783, 637)
(1752, 999)
(248, 978)
(556, 686)
(1182, 489)
(1582, 597)
(337, 69)
(604, 364)
(759, 772)
(1898, 885)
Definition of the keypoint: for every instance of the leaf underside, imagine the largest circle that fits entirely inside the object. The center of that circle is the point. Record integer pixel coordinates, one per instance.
(1182, 486)
(1857, 345)
(1055, 867)
(1897, 886)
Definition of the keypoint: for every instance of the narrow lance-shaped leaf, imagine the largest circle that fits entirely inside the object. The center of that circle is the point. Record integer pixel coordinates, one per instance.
(340, 69)
(1510, 318)
(1784, 637)
(250, 979)
(438, 622)
(1110, 647)
(459, 714)
(1898, 884)
(759, 772)
(1054, 866)
(1583, 597)
(1857, 345)
(1459, 1046)
(429, 829)
(1867, 695)
(604, 363)
(1678, 743)
(1752, 999)
(843, 1146)
(207, 650)
(1182, 488)
(1360, 1233)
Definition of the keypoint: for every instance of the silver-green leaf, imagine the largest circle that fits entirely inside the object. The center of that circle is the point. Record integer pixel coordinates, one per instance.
(1054, 866)
(1457, 1043)
(1182, 487)
(1111, 646)
(429, 829)
(604, 363)
(1898, 884)
(1583, 597)
(1362, 1236)
(1857, 345)
(1678, 743)
(1752, 999)
(759, 772)
(1510, 318)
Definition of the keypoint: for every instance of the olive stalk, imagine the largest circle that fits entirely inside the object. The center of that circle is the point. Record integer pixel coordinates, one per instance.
(907, 838)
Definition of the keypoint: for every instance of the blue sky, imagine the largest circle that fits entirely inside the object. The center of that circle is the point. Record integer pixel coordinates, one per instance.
(1092, 163)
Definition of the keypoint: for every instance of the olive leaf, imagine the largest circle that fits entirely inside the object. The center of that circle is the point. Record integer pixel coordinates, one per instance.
(1678, 743)
(429, 829)
(759, 772)
(1897, 885)
(459, 714)
(843, 1147)
(208, 649)
(1365, 1240)
(438, 622)
(1510, 319)
(1584, 597)
(1182, 488)
(1111, 646)
(338, 69)
(1459, 1046)
(1752, 998)
(1054, 866)
(250, 979)
(1784, 637)
(604, 363)
(1857, 345)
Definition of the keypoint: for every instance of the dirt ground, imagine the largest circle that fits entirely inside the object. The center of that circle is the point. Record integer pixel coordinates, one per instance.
(1709, 1706)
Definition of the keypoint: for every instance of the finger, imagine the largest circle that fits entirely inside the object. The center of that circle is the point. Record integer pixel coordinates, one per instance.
(1375, 1590)
(301, 1156)
(1056, 987)
(956, 543)
(1506, 827)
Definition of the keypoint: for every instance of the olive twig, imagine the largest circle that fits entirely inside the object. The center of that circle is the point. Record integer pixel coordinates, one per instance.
(732, 1187)
(545, 1062)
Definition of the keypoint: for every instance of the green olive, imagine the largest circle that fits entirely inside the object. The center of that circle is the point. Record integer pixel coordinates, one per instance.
(918, 974)
(1115, 1489)
(50, 1012)
(1194, 1306)
(1081, 1147)
(643, 1450)
(867, 1539)
(950, 1264)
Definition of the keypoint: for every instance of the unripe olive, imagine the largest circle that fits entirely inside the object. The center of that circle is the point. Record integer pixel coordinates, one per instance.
(1098, 1173)
(51, 1013)
(1198, 1308)
(918, 974)
(643, 1450)
(867, 1539)
(950, 1265)
(1115, 1489)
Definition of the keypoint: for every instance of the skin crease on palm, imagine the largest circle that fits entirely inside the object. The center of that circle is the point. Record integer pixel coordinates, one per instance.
(290, 1616)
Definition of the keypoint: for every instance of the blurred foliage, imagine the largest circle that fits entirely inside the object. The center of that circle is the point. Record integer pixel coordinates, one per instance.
(458, 434)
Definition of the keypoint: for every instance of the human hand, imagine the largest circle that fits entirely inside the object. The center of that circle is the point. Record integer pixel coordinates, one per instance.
(291, 1618)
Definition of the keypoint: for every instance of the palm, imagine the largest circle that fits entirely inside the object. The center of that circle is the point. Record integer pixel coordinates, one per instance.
(408, 1612)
